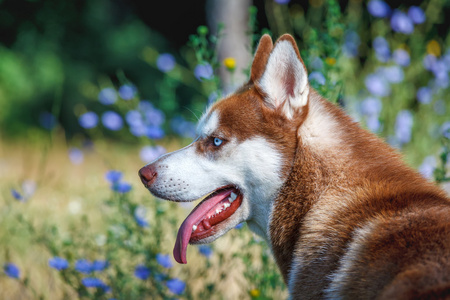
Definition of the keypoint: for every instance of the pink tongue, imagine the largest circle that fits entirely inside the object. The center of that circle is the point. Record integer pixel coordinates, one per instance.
(185, 231)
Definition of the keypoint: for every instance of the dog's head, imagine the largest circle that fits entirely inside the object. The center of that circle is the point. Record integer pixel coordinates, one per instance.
(245, 148)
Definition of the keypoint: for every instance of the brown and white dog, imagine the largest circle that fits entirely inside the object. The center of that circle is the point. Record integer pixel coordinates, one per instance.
(344, 216)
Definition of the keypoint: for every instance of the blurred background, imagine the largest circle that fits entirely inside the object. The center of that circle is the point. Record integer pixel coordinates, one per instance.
(90, 91)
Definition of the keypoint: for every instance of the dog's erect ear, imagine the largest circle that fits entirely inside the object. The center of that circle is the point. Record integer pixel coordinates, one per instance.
(284, 79)
(262, 54)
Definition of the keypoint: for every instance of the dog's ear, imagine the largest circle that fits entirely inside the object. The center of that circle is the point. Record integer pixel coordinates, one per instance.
(262, 54)
(285, 79)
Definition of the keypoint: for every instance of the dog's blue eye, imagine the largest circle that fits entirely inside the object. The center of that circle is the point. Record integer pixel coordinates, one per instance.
(217, 142)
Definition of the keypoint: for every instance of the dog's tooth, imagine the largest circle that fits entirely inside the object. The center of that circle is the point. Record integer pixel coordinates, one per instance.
(226, 205)
(194, 227)
(230, 200)
(233, 196)
(217, 211)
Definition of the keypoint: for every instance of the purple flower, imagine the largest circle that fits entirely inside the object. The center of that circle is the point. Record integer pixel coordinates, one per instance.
(203, 71)
(149, 153)
(121, 187)
(317, 77)
(427, 167)
(377, 85)
(88, 120)
(176, 286)
(99, 265)
(401, 57)
(403, 126)
(400, 22)
(127, 92)
(351, 43)
(140, 216)
(47, 120)
(93, 282)
(378, 8)
(113, 176)
(154, 132)
(393, 74)
(429, 61)
(416, 14)
(282, 1)
(424, 95)
(381, 47)
(371, 106)
(11, 270)
(154, 117)
(205, 250)
(142, 272)
(58, 263)
(165, 62)
(16, 195)
(107, 96)
(164, 260)
(83, 266)
(112, 120)
(445, 129)
(76, 156)
(134, 118)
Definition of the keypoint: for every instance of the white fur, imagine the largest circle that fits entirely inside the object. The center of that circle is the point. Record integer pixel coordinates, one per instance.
(208, 124)
(284, 66)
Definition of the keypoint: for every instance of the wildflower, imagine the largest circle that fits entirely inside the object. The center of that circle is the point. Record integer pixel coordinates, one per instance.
(401, 57)
(377, 85)
(176, 286)
(154, 117)
(142, 272)
(393, 74)
(107, 96)
(83, 266)
(154, 132)
(16, 195)
(164, 260)
(434, 48)
(239, 226)
(58, 263)
(11, 270)
(93, 282)
(403, 126)
(205, 250)
(121, 187)
(429, 61)
(99, 265)
(203, 71)
(140, 214)
(149, 153)
(445, 129)
(255, 293)
(371, 106)
(127, 92)
(351, 43)
(76, 156)
(424, 95)
(88, 120)
(47, 120)
(400, 22)
(427, 167)
(165, 62)
(282, 1)
(112, 120)
(330, 61)
(378, 8)
(316, 63)
(416, 14)
(381, 47)
(113, 176)
(229, 63)
(317, 77)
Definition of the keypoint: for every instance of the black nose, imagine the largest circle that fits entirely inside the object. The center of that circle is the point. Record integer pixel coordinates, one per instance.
(148, 175)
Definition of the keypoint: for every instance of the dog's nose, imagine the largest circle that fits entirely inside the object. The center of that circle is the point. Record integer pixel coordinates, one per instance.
(148, 175)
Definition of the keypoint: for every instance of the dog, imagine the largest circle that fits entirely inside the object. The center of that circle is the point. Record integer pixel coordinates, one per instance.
(344, 217)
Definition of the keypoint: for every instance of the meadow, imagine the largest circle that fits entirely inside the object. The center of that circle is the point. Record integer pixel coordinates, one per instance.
(75, 220)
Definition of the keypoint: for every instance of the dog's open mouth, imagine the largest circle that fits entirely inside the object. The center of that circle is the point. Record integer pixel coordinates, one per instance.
(202, 221)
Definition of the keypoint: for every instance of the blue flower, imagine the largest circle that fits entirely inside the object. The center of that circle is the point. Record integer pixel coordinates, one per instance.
(176, 286)
(416, 14)
(371, 106)
(149, 153)
(47, 120)
(58, 263)
(381, 47)
(88, 120)
(154, 117)
(134, 118)
(378, 8)
(205, 250)
(165, 62)
(282, 1)
(377, 85)
(113, 176)
(121, 187)
(83, 266)
(401, 57)
(239, 226)
(427, 167)
(11, 270)
(76, 156)
(317, 77)
(403, 126)
(424, 95)
(112, 120)
(393, 74)
(351, 43)
(164, 260)
(107, 96)
(93, 282)
(445, 129)
(127, 92)
(154, 132)
(203, 71)
(16, 195)
(400, 22)
(142, 272)
(182, 127)
(429, 61)
(99, 265)
(140, 216)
